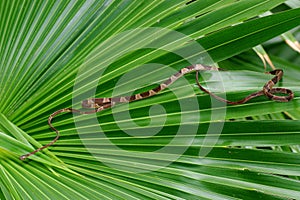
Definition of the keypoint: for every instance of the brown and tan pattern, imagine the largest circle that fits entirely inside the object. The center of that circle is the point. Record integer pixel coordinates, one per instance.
(267, 90)
(99, 104)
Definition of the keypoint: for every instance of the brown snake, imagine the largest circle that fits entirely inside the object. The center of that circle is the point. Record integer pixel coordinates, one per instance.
(99, 104)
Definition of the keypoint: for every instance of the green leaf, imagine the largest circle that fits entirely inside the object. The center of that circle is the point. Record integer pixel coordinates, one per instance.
(178, 144)
(236, 39)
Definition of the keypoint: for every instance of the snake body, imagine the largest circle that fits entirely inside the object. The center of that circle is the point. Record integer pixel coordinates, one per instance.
(267, 90)
(99, 104)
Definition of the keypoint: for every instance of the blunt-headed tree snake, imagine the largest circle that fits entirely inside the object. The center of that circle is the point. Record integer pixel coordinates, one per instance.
(99, 104)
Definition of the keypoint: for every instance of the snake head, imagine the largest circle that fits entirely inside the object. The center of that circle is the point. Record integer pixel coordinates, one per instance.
(23, 157)
(88, 103)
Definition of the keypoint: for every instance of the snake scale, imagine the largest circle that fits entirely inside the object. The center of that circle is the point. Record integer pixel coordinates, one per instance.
(99, 104)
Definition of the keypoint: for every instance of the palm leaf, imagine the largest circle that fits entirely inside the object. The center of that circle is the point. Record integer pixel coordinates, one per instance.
(179, 144)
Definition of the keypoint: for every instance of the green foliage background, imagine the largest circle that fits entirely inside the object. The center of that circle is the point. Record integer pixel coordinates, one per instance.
(44, 44)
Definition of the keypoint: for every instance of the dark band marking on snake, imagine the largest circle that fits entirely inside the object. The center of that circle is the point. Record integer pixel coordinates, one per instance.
(99, 104)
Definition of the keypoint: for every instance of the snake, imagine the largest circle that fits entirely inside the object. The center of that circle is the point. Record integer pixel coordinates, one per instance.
(99, 104)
